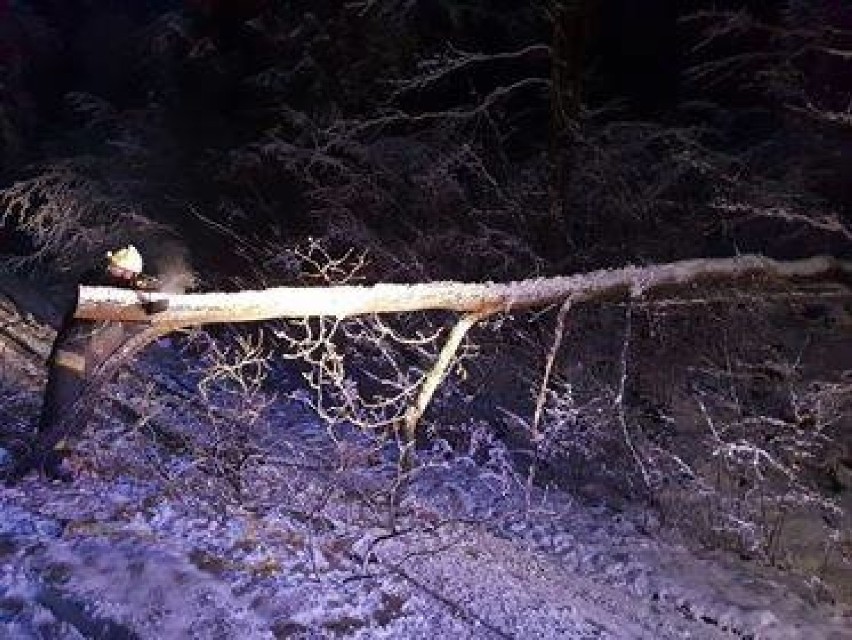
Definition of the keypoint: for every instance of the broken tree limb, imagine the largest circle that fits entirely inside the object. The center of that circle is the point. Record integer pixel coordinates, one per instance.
(558, 332)
(473, 301)
(434, 378)
(104, 303)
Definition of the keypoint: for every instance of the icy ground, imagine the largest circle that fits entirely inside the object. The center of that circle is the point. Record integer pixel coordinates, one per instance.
(149, 544)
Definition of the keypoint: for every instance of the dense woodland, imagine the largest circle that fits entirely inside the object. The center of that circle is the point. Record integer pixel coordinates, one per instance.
(263, 143)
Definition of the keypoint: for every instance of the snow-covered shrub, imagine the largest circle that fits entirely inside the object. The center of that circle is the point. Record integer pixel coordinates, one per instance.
(750, 449)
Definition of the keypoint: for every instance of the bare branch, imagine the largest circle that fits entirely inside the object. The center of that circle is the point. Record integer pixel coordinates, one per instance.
(823, 116)
(558, 332)
(436, 375)
(827, 222)
(440, 69)
(622, 389)
(354, 129)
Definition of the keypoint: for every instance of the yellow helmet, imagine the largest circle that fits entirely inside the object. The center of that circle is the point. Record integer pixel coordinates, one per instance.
(127, 258)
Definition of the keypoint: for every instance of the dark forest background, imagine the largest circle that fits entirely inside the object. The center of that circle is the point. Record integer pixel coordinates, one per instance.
(270, 142)
(660, 132)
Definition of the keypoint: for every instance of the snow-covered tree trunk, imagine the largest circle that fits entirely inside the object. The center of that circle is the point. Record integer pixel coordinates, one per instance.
(474, 301)
(103, 303)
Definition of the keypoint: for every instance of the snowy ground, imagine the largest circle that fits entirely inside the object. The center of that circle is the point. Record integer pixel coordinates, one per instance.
(118, 559)
(148, 545)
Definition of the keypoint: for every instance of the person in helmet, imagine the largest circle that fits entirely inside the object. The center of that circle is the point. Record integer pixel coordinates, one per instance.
(79, 350)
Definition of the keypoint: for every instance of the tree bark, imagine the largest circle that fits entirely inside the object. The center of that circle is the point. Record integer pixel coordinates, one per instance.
(568, 45)
(434, 379)
(103, 303)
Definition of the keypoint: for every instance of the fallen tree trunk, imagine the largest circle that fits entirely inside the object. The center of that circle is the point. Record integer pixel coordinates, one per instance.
(473, 301)
(103, 303)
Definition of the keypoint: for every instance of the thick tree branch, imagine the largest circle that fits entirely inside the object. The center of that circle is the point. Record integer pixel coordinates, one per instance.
(434, 379)
(473, 301)
(823, 116)
(101, 303)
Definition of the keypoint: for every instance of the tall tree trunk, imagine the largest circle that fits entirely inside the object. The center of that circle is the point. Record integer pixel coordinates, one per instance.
(570, 33)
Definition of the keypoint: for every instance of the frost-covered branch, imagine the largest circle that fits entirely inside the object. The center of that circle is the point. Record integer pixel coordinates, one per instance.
(444, 68)
(823, 116)
(353, 129)
(439, 370)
